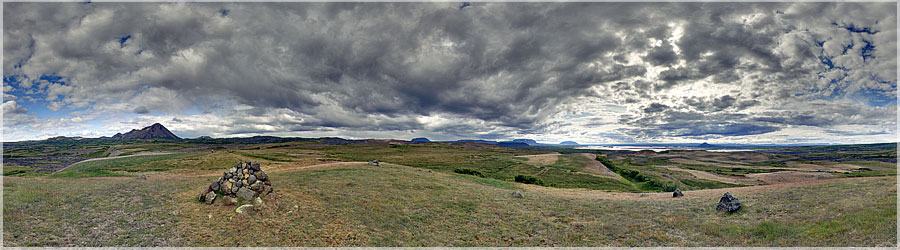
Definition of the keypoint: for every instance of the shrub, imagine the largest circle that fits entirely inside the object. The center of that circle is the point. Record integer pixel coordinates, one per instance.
(527, 179)
(468, 172)
(606, 162)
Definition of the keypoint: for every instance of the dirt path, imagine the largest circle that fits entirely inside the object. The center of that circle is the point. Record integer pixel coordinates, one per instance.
(595, 167)
(541, 159)
(112, 157)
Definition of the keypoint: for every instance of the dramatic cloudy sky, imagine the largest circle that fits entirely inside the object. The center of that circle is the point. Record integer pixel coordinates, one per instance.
(587, 72)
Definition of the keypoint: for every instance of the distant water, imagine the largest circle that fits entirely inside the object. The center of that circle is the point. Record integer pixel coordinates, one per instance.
(659, 148)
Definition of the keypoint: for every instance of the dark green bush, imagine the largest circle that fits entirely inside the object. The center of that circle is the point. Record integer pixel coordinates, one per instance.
(468, 172)
(527, 179)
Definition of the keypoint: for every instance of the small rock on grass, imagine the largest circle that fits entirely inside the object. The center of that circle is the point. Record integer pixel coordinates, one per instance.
(677, 193)
(244, 209)
(517, 194)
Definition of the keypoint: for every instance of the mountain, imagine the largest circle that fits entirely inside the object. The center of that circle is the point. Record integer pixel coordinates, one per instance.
(481, 141)
(153, 132)
(705, 145)
(568, 143)
(513, 144)
(420, 139)
(526, 141)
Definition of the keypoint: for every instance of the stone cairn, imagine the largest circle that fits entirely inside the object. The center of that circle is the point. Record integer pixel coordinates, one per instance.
(245, 180)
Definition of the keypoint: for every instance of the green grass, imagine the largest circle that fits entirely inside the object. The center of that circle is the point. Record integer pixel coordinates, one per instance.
(729, 170)
(399, 206)
(695, 184)
(569, 162)
(88, 213)
(115, 167)
(265, 156)
(492, 162)
(873, 164)
(20, 171)
(865, 172)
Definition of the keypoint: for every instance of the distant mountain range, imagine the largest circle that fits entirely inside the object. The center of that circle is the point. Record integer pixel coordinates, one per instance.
(153, 132)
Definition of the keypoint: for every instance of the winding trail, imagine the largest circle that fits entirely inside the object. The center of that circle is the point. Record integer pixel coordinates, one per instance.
(112, 157)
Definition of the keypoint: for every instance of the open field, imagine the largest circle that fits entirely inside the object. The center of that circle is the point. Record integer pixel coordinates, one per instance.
(326, 195)
(347, 206)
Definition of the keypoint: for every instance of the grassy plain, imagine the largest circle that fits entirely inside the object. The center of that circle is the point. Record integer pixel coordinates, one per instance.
(416, 199)
(349, 207)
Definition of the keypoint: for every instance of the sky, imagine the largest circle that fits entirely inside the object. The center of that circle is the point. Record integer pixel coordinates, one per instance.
(600, 73)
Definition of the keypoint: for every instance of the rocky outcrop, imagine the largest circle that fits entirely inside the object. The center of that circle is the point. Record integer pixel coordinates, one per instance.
(728, 203)
(246, 180)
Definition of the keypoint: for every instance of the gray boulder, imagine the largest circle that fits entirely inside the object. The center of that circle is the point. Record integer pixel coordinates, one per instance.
(256, 186)
(142, 177)
(254, 166)
(728, 203)
(246, 193)
(214, 186)
(210, 198)
(374, 163)
(517, 194)
(251, 180)
(677, 193)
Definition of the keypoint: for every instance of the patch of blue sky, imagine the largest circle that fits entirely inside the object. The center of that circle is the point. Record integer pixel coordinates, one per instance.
(53, 78)
(123, 40)
(847, 48)
(874, 98)
(852, 28)
(866, 51)
(827, 61)
(34, 98)
(579, 115)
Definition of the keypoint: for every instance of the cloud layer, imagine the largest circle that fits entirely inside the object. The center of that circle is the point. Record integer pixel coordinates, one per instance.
(589, 72)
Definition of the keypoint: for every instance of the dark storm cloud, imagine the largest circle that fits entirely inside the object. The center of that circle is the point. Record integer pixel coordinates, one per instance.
(141, 110)
(496, 68)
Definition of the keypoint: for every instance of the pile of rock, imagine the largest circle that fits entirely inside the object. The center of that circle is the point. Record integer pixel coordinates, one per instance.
(245, 180)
